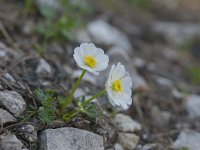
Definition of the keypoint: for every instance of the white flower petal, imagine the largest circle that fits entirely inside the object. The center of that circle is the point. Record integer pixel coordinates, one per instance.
(78, 58)
(89, 49)
(119, 98)
(118, 72)
(126, 81)
(102, 65)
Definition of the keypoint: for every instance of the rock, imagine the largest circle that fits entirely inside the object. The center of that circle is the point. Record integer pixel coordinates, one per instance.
(83, 36)
(139, 62)
(70, 139)
(118, 51)
(177, 94)
(193, 105)
(9, 77)
(104, 33)
(128, 140)
(29, 128)
(170, 54)
(139, 83)
(28, 27)
(160, 118)
(176, 32)
(6, 117)
(189, 139)
(118, 147)
(148, 146)
(79, 92)
(30, 133)
(164, 81)
(43, 67)
(13, 101)
(2, 53)
(106, 129)
(125, 123)
(10, 142)
(87, 77)
(7, 52)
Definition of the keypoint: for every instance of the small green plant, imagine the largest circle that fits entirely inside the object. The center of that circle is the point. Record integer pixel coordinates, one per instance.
(62, 25)
(184, 148)
(140, 3)
(93, 60)
(194, 74)
(46, 113)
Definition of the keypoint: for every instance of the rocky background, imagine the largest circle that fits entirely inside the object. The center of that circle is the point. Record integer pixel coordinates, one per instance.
(157, 41)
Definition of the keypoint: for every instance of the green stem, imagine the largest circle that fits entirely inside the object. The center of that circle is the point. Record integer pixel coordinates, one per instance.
(93, 97)
(73, 114)
(68, 100)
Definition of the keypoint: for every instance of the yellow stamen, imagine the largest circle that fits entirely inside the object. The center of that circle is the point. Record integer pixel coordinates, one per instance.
(117, 86)
(90, 61)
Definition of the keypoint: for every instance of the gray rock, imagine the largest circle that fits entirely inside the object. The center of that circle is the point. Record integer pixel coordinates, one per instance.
(139, 83)
(43, 67)
(125, 123)
(29, 128)
(106, 129)
(118, 51)
(9, 77)
(7, 52)
(30, 133)
(139, 62)
(2, 53)
(6, 117)
(128, 140)
(177, 94)
(148, 146)
(189, 139)
(118, 147)
(83, 36)
(164, 81)
(70, 139)
(10, 142)
(104, 33)
(176, 32)
(160, 118)
(170, 54)
(13, 101)
(79, 93)
(28, 27)
(193, 105)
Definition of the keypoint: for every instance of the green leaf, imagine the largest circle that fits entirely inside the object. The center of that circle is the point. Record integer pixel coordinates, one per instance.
(46, 116)
(91, 111)
(45, 97)
(47, 12)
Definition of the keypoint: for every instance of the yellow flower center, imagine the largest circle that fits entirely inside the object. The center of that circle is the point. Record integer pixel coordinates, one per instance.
(90, 61)
(117, 86)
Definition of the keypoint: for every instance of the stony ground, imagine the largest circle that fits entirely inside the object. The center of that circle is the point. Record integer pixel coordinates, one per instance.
(159, 46)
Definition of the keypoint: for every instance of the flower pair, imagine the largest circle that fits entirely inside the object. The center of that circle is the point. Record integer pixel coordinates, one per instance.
(118, 85)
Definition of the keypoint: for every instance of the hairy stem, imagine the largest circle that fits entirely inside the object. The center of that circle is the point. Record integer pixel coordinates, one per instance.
(69, 99)
(93, 97)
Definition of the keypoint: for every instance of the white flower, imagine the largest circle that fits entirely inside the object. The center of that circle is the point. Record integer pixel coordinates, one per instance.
(119, 86)
(91, 58)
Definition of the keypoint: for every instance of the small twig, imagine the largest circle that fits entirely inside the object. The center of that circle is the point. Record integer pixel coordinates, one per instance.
(158, 135)
(21, 60)
(1, 126)
(140, 113)
(13, 125)
(7, 36)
